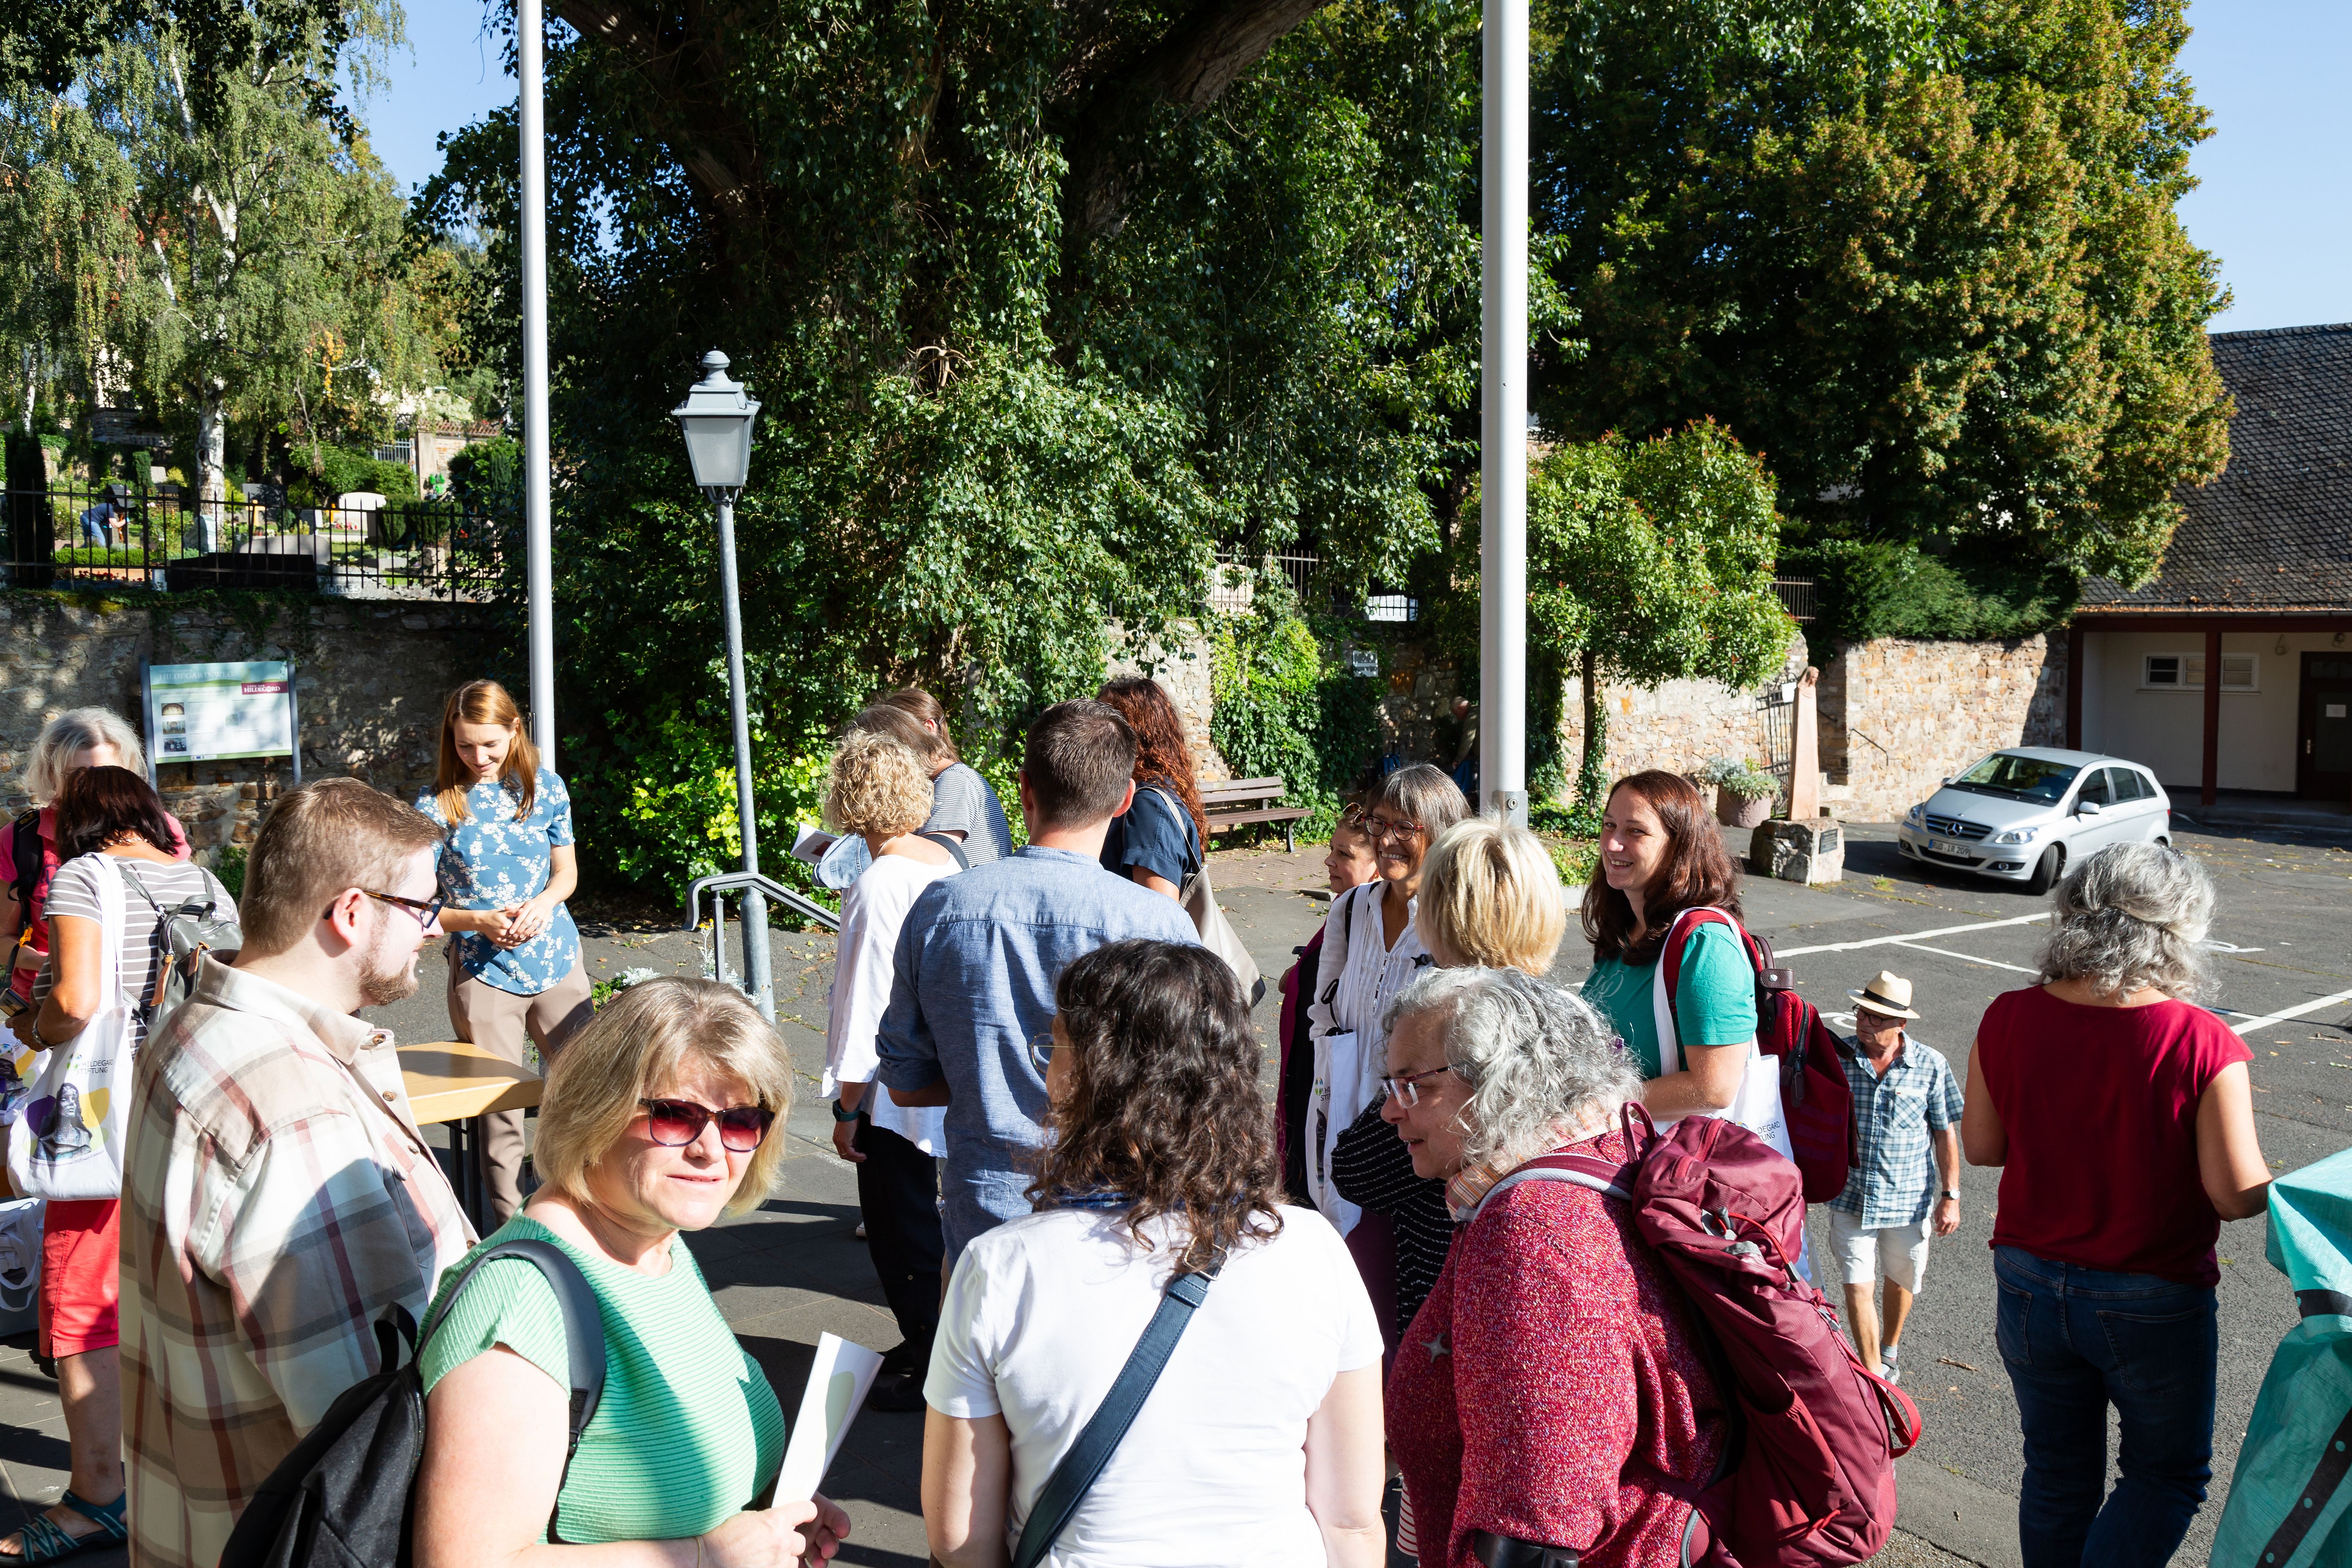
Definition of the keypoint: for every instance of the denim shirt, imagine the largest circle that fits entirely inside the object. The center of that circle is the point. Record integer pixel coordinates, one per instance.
(491, 861)
(976, 963)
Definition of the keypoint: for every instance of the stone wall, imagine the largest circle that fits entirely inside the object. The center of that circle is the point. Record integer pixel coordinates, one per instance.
(370, 679)
(1683, 723)
(1182, 672)
(1900, 714)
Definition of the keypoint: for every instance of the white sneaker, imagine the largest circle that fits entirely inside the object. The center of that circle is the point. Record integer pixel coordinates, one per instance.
(1887, 1357)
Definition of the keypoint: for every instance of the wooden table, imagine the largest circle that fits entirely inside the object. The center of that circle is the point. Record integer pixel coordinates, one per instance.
(451, 1081)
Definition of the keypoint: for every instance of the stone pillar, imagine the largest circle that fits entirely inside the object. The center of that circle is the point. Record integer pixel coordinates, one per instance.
(1811, 852)
(1805, 750)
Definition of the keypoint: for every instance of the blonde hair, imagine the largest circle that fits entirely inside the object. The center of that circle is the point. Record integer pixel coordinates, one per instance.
(1490, 894)
(632, 1050)
(71, 734)
(483, 702)
(325, 838)
(877, 784)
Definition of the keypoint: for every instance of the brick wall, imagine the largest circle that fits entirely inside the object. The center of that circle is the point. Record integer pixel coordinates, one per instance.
(369, 678)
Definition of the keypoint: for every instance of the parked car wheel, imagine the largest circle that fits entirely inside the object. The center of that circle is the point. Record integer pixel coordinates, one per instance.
(2046, 869)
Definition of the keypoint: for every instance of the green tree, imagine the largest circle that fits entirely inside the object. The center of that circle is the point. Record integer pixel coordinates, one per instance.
(1923, 256)
(1649, 561)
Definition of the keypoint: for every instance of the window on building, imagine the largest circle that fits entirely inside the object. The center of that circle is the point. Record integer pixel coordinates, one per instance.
(2185, 672)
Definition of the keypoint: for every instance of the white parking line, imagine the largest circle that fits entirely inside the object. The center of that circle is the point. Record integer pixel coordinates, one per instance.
(1910, 936)
(2251, 1024)
(1966, 957)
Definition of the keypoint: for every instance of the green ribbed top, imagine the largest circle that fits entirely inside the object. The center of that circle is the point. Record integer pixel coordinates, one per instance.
(687, 1432)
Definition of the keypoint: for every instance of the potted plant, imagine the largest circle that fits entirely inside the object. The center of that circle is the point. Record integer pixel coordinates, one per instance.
(1743, 793)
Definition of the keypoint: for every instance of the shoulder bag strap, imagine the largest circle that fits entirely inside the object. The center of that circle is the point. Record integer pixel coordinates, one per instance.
(1183, 824)
(584, 1338)
(1075, 1475)
(1670, 974)
(29, 856)
(954, 850)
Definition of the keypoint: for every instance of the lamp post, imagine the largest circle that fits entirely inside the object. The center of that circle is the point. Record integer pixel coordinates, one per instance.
(1502, 423)
(715, 418)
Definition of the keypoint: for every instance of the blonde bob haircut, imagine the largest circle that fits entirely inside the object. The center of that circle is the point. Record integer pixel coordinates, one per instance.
(633, 1050)
(68, 735)
(877, 784)
(1490, 895)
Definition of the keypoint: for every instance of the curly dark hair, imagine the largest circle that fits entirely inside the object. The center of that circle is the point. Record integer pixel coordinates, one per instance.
(98, 806)
(1163, 753)
(1164, 1105)
(1697, 873)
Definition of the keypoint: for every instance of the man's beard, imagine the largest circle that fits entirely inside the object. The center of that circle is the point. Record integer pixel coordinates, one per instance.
(381, 982)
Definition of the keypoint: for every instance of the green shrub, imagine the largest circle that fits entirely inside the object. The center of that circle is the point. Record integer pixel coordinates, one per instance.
(229, 867)
(340, 471)
(1874, 589)
(1286, 705)
(487, 476)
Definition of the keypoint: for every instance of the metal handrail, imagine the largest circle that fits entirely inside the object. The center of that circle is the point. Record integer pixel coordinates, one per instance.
(745, 881)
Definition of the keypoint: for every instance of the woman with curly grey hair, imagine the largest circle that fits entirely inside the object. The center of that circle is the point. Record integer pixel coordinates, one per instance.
(2122, 1118)
(1552, 1391)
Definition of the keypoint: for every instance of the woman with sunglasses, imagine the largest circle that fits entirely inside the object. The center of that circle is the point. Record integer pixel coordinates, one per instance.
(507, 867)
(1371, 950)
(659, 1117)
(120, 868)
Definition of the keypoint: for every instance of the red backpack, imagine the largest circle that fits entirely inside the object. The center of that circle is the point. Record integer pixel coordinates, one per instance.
(1815, 1099)
(1807, 1478)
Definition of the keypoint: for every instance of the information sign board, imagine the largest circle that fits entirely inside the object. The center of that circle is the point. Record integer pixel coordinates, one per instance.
(209, 713)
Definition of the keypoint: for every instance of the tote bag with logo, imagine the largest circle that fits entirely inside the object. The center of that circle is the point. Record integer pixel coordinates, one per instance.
(68, 1140)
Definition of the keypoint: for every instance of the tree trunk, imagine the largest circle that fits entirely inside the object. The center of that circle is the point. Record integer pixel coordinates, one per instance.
(211, 456)
(1593, 766)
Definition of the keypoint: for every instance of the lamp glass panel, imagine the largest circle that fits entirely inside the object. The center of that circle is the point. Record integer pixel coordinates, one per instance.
(718, 448)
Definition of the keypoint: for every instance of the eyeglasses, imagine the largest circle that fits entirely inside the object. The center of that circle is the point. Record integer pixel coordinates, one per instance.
(673, 1124)
(1408, 1088)
(1377, 828)
(1041, 1053)
(427, 911)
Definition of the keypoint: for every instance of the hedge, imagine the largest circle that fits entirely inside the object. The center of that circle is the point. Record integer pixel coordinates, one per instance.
(1868, 589)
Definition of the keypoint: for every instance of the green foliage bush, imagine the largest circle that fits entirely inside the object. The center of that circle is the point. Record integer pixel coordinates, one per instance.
(1286, 705)
(1880, 589)
(340, 471)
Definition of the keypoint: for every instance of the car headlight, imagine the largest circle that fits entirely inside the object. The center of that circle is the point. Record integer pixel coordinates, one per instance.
(1916, 815)
(2015, 836)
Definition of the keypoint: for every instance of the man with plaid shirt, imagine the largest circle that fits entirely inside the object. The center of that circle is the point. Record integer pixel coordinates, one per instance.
(1906, 1185)
(277, 1196)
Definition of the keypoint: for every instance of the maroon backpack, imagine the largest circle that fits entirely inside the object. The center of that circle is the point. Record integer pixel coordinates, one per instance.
(1815, 1099)
(1807, 1478)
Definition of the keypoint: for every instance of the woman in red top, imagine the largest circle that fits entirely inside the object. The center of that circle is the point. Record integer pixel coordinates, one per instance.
(1551, 1391)
(2123, 1121)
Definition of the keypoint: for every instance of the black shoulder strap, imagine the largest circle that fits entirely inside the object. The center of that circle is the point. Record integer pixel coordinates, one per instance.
(584, 1336)
(1075, 1475)
(27, 849)
(954, 849)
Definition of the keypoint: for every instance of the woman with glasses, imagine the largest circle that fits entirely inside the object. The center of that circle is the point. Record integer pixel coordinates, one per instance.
(1259, 1443)
(659, 1117)
(1369, 951)
(120, 868)
(507, 866)
(1552, 1393)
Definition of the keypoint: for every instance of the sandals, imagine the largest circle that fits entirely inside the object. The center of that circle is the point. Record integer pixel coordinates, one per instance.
(46, 1540)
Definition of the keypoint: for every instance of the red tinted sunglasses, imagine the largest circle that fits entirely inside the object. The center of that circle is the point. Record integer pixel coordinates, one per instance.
(675, 1123)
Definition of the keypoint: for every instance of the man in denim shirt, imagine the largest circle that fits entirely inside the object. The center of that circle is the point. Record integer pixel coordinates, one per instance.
(978, 957)
(1906, 1185)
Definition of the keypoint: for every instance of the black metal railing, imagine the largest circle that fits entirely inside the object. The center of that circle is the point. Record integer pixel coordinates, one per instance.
(162, 539)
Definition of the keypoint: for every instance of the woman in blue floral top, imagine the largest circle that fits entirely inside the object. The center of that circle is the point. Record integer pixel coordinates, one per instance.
(507, 866)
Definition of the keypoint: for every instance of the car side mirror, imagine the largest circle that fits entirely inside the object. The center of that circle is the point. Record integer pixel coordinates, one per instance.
(2088, 808)
(1948, 781)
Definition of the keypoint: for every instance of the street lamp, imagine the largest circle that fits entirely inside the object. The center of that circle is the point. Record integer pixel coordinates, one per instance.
(716, 419)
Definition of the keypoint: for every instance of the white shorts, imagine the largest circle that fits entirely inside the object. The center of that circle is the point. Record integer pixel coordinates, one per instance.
(1898, 1252)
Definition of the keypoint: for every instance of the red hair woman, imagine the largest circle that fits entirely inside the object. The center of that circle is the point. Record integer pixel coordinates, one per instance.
(1158, 840)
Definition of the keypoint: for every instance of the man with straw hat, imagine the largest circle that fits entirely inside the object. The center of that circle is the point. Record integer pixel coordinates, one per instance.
(1906, 1107)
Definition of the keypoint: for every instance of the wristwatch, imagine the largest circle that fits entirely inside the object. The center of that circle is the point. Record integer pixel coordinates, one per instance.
(1953, 1194)
(842, 1114)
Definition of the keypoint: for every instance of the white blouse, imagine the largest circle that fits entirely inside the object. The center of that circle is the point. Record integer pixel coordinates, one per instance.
(864, 965)
(1357, 976)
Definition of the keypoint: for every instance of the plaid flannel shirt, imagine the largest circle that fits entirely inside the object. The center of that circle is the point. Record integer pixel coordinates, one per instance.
(1896, 1113)
(277, 1198)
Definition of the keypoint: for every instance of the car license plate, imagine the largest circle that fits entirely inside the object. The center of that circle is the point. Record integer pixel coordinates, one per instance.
(1946, 846)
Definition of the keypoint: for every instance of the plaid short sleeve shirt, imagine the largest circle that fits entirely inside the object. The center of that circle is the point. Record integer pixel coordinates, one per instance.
(1894, 1115)
(277, 1197)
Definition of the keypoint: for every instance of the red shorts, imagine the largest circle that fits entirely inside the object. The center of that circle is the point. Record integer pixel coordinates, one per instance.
(81, 1278)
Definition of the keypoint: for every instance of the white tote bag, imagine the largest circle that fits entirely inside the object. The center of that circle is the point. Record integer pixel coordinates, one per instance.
(1199, 901)
(1757, 1107)
(68, 1144)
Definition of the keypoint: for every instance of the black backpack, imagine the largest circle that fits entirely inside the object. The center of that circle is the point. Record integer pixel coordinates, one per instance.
(343, 1499)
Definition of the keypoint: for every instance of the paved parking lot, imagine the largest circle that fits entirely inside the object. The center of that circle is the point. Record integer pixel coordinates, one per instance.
(795, 1269)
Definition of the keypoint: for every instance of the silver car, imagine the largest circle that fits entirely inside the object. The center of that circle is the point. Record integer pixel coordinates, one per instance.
(2024, 815)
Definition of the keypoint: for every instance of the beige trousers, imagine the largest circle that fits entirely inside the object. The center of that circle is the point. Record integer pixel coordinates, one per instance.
(499, 1021)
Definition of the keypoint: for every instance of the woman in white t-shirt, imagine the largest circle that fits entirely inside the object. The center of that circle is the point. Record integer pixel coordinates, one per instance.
(879, 790)
(1260, 1445)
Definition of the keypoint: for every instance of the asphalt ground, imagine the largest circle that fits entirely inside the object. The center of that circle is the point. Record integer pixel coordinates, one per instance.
(793, 1268)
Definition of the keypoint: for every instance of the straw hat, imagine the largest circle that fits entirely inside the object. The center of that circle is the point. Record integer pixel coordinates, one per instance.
(1890, 993)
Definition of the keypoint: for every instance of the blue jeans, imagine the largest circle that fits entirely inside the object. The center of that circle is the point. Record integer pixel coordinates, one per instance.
(2075, 1341)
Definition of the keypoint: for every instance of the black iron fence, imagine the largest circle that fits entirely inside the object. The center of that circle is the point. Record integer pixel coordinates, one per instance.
(170, 541)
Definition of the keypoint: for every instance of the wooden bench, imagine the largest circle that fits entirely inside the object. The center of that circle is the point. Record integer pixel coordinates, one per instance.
(1237, 803)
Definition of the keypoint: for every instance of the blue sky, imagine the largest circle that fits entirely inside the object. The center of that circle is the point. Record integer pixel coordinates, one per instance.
(2275, 204)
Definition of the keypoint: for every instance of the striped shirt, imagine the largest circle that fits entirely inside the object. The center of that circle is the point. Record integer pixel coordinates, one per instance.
(1356, 978)
(74, 894)
(277, 1199)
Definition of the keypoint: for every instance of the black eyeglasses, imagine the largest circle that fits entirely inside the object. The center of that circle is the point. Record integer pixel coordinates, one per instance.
(673, 1124)
(427, 911)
